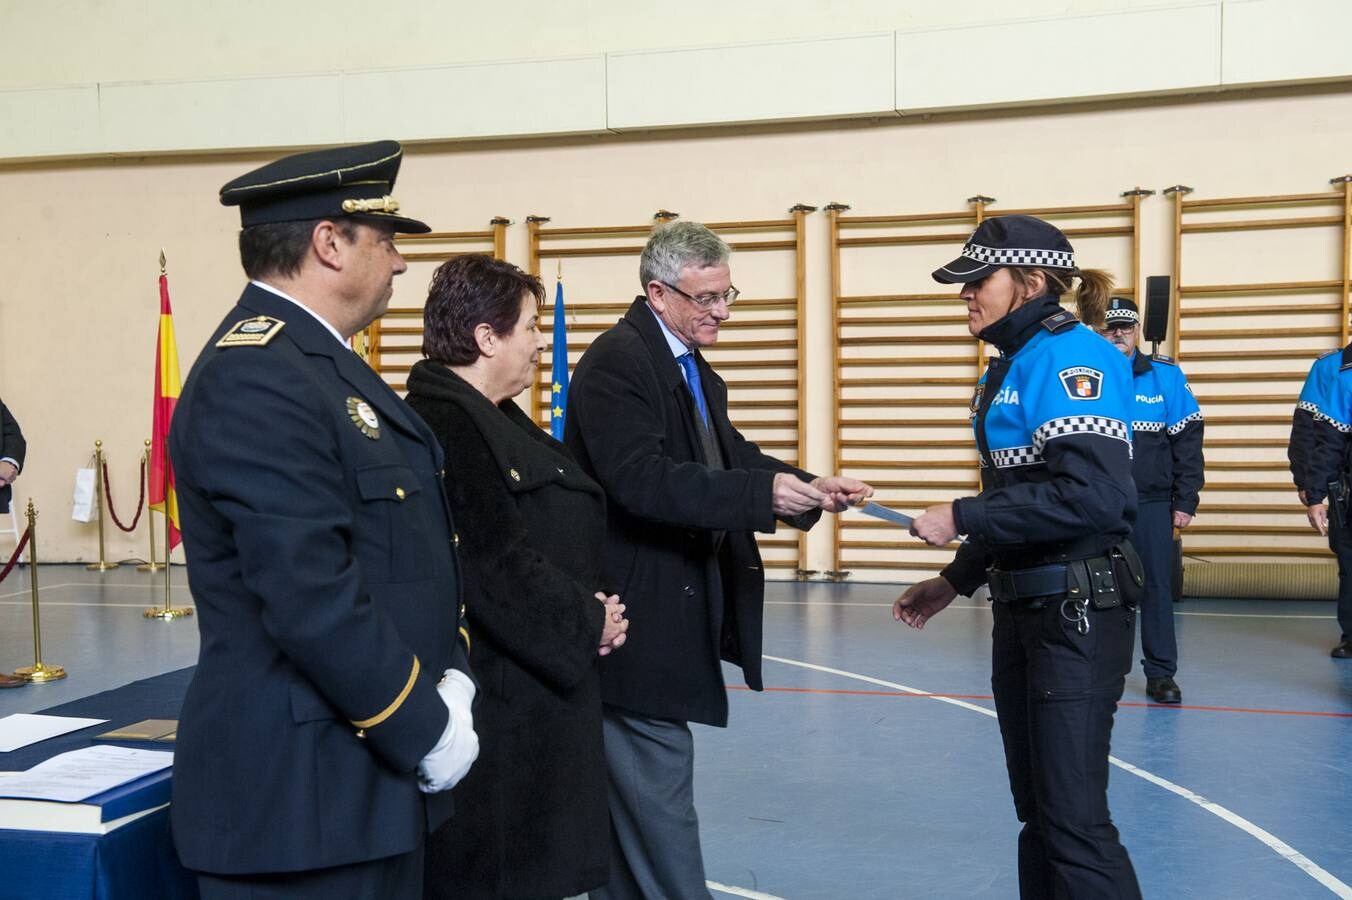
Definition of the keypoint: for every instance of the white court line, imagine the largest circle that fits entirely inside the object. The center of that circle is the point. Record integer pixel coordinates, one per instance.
(987, 607)
(68, 584)
(739, 891)
(50, 603)
(1280, 847)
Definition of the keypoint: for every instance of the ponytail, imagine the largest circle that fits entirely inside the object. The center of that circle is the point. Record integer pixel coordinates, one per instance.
(1092, 296)
(1091, 299)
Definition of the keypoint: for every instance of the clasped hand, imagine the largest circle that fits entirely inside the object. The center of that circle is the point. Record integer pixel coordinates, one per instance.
(616, 627)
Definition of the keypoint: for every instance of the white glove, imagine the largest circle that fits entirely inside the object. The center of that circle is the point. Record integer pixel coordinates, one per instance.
(458, 748)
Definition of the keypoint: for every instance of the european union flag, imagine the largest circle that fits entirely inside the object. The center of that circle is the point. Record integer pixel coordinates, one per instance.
(559, 376)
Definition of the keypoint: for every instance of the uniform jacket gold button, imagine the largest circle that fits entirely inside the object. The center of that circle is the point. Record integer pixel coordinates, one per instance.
(516, 476)
(399, 492)
(455, 539)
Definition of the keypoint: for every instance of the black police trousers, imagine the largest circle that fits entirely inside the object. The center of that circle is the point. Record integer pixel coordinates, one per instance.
(1056, 692)
(1153, 538)
(1340, 542)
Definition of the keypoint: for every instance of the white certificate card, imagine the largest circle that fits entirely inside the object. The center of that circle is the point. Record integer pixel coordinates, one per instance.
(80, 774)
(22, 729)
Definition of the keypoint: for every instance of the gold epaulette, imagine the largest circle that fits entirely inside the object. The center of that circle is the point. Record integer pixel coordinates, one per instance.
(254, 332)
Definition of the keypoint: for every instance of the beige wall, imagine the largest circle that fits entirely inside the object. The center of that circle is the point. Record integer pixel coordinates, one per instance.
(175, 78)
(154, 40)
(80, 241)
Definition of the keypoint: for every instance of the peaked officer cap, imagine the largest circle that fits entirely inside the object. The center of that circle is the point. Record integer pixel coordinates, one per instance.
(1121, 311)
(1018, 241)
(339, 182)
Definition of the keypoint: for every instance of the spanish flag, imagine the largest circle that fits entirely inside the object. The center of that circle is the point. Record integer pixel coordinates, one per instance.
(161, 489)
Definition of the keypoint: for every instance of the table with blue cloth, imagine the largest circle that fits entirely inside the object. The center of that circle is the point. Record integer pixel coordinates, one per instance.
(134, 862)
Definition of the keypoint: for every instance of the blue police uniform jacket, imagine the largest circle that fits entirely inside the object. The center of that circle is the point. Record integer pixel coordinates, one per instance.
(1166, 427)
(1321, 424)
(319, 547)
(1052, 417)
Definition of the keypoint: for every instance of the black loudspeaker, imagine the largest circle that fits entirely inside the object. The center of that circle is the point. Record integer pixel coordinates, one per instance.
(1156, 308)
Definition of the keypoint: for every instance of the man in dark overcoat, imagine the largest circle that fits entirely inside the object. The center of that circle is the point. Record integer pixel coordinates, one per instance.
(648, 419)
(12, 450)
(331, 701)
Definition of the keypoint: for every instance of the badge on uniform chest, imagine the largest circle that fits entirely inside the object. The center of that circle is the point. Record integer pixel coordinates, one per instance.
(363, 416)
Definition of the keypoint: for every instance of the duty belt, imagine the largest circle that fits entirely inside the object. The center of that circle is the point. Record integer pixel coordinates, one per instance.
(1024, 586)
(1098, 580)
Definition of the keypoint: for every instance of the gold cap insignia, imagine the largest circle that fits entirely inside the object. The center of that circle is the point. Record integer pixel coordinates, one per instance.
(364, 417)
(255, 332)
(386, 204)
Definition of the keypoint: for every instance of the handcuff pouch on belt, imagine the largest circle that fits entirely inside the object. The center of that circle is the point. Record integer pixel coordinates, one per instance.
(1338, 500)
(1114, 579)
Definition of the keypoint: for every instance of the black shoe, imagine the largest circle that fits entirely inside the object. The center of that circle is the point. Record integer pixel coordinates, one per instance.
(1163, 690)
(1343, 650)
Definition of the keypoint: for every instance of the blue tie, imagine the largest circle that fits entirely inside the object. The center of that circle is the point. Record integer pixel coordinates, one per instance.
(687, 361)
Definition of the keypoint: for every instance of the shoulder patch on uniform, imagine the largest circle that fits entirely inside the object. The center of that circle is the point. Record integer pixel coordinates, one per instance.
(255, 332)
(1160, 357)
(1082, 382)
(1058, 322)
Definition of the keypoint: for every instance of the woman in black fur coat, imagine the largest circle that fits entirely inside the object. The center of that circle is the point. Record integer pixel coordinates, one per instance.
(530, 818)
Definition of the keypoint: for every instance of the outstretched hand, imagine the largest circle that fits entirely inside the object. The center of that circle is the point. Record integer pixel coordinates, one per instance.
(936, 525)
(923, 601)
(842, 492)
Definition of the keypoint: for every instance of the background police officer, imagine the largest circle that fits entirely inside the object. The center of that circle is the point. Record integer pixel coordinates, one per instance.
(319, 724)
(1167, 467)
(1052, 422)
(1319, 457)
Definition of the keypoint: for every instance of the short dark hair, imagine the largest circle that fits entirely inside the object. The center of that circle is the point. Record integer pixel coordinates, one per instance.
(469, 290)
(279, 248)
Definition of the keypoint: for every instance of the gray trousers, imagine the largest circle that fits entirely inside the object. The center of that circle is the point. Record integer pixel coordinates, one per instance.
(654, 831)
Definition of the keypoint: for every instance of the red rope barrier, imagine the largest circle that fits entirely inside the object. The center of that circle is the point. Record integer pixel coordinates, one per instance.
(140, 504)
(23, 542)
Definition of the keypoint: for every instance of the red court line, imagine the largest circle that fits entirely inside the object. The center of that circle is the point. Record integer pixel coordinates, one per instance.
(1232, 709)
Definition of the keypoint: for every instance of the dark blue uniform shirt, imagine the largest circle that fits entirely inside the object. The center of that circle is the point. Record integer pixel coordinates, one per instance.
(1321, 424)
(1052, 417)
(1166, 426)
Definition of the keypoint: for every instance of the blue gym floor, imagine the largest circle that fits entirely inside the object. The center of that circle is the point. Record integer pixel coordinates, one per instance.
(871, 767)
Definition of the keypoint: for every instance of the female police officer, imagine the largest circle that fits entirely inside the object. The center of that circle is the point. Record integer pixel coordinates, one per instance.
(1048, 533)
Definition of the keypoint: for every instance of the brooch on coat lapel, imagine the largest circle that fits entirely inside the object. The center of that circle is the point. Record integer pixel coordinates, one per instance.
(363, 416)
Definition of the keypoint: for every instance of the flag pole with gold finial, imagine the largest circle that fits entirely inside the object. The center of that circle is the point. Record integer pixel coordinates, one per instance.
(168, 612)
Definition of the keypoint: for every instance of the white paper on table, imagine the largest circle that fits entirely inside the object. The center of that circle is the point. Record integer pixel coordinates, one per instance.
(22, 729)
(80, 774)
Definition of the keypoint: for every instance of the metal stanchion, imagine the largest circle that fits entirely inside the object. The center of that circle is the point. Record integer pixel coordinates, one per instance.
(168, 612)
(39, 672)
(102, 565)
(150, 566)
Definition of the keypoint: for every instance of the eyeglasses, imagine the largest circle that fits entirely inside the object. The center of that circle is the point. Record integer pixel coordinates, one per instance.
(1117, 329)
(704, 301)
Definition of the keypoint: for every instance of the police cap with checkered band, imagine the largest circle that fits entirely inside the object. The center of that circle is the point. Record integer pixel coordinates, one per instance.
(336, 183)
(1009, 241)
(1121, 311)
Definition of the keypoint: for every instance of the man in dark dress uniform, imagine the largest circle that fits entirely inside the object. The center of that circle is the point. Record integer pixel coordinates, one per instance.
(331, 701)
